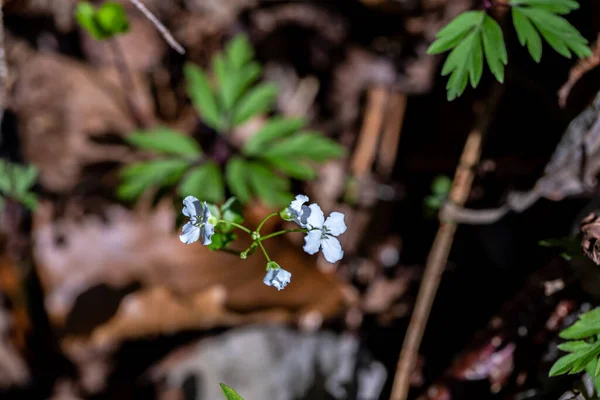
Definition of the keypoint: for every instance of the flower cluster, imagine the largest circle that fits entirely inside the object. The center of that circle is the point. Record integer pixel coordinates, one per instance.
(320, 232)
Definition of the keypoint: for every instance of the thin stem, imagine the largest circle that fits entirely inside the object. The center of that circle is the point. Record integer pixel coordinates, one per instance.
(126, 81)
(159, 26)
(236, 225)
(265, 220)
(264, 251)
(270, 235)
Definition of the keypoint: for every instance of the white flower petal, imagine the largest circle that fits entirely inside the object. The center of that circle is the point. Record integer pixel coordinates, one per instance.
(316, 217)
(312, 241)
(335, 223)
(190, 233)
(332, 249)
(207, 231)
(296, 205)
(191, 206)
(278, 278)
(205, 213)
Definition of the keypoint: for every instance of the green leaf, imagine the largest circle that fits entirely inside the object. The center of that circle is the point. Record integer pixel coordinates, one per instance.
(239, 51)
(138, 177)
(165, 140)
(294, 168)
(573, 346)
(270, 188)
(555, 6)
(587, 325)
(274, 129)
(456, 65)
(239, 82)
(441, 185)
(476, 62)
(231, 211)
(258, 100)
(564, 364)
(229, 393)
(221, 240)
(450, 35)
(85, 15)
(24, 177)
(204, 182)
(494, 48)
(558, 32)
(202, 96)
(112, 18)
(527, 34)
(311, 145)
(433, 202)
(237, 178)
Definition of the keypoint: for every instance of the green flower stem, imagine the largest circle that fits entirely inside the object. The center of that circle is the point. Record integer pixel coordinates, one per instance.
(242, 227)
(265, 220)
(264, 251)
(281, 233)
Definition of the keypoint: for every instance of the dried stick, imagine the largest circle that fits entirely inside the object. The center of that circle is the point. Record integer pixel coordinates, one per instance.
(461, 186)
(366, 147)
(3, 69)
(159, 26)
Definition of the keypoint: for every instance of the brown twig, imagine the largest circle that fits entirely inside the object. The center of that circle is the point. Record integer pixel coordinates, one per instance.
(126, 81)
(159, 26)
(581, 68)
(461, 186)
(388, 147)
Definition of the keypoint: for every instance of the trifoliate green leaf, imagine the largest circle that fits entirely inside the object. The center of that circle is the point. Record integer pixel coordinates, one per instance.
(294, 168)
(494, 48)
(274, 129)
(257, 100)
(204, 182)
(229, 393)
(450, 35)
(165, 140)
(527, 34)
(239, 51)
(202, 96)
(236, 174)
(138, 177)
(311, 145)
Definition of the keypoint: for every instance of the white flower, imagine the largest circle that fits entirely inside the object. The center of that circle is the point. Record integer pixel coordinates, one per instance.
(297, 211)
(277, 276)
(322, 232)
(202, 222)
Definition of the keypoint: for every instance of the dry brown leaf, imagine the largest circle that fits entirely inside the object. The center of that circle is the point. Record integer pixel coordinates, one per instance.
(159, 311)
(62, 105)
